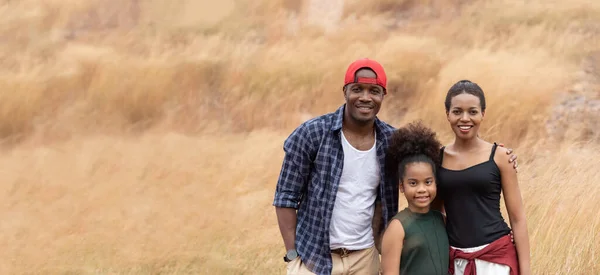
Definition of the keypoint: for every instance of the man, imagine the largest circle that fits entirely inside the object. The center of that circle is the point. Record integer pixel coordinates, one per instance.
(332, 199)
(332, 174)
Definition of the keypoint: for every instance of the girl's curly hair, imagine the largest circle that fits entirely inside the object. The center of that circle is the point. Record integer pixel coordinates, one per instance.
(412, 143)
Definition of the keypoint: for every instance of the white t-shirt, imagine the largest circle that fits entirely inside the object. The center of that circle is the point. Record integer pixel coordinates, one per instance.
(355, 199)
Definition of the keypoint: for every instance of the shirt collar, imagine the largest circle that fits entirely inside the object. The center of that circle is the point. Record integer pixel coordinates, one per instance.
(338, 117)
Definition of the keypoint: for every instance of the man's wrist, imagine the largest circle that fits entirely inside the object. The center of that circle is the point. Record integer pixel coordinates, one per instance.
(290, 255)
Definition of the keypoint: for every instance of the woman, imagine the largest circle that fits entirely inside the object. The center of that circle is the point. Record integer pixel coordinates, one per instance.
(472, 175)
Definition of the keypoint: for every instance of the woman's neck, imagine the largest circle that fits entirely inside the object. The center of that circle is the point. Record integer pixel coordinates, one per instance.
(462, 145)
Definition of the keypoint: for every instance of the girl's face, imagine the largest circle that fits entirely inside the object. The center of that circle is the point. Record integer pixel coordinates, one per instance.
(465, 115)
(418, 186)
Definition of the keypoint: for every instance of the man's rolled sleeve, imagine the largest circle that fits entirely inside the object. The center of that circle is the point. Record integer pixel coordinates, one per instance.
(295, 169)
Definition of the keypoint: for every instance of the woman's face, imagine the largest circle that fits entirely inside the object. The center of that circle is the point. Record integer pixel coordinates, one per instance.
(465, 115)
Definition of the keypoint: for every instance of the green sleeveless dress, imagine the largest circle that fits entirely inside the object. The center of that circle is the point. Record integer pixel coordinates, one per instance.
(425, 250)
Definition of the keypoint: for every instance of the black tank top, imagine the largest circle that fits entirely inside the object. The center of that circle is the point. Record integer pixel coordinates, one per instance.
(472, 203)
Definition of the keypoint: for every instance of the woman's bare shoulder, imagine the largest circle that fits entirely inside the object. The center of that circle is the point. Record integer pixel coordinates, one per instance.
(501, 158)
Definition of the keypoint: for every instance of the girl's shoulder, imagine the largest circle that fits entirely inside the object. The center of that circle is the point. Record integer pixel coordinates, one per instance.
(394, 228)
(403, 215)
(438, 214)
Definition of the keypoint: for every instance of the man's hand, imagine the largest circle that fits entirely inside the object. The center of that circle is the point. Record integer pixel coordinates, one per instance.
(513, 157)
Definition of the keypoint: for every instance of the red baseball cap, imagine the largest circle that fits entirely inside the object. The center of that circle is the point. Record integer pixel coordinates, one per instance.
(380, 80)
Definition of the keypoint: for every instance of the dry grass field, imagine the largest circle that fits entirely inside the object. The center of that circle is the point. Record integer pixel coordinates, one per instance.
(145, 136)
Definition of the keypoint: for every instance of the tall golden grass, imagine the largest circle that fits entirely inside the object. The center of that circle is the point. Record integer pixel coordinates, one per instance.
(144, 137)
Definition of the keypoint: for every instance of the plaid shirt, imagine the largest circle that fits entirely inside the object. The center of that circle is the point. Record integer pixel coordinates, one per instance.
(309, 178)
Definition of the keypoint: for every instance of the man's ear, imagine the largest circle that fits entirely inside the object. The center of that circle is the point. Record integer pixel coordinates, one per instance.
(345, 92)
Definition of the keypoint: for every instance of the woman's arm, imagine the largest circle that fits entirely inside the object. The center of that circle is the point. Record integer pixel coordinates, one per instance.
(516, 210)
(391, 248)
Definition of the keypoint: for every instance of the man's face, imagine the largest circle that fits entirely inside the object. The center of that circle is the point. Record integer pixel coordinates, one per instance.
(363, 100)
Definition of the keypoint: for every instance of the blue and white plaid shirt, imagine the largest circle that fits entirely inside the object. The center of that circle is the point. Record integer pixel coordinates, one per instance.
(309, 179)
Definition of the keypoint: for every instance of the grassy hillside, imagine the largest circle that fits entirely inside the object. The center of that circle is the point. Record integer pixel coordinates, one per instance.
(144, 137)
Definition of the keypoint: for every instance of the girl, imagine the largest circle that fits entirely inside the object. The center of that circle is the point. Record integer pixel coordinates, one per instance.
(471, 178)
(415, 241)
